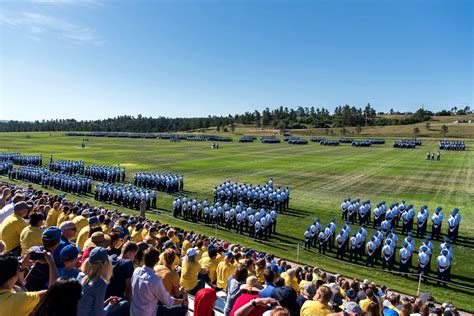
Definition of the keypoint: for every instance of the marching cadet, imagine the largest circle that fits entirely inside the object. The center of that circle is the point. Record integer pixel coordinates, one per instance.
(273, 215)
(437, 220)
(344, 209)
(327, 236)
(353, 248)
(388, 255)
(332, 228)
(422, 221)
(258, 232)
(227, 220)
(423, 261)
(428, 156)
(378, 216)
(153, 199)
(352, 213)
(264, 229)
(315, 231)
(444, 263)
(194, 213)
(322, 242)
(341, 244)
(239, 224)
(360, 240)
(438, 156)
(378, 245)
(215, 216)
(405, 258)
(307, 238)
(432, 155)
(206, 215)
(371, 249)
(252, 221)
(453, 224)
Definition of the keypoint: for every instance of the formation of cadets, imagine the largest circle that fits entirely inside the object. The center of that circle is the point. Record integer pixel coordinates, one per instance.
(297, 141)
(25, 160)
(270, 140)
(247, 139)
(407, 143)
(258, 223)
(260, 196)
(28, 173)
(451, 145)
(5, 167)
(381, 247)
(68, 183)
(126, 195)
(431, 156)
(96, 172)
(329, 142)
(166, 182)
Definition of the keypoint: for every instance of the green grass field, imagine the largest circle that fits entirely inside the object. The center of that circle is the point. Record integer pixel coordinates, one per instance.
(319, 178)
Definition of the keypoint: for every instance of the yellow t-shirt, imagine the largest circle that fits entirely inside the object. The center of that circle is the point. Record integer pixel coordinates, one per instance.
(130, 229)
(52, 217)
(30, 236)
(137, 236)
(211, 266)
(259, 275)
(175, 240)
(314, 308)
(293, 283)
(189, 275)
(224, 271)
(364, 304)
(80, 222)
(62, 218)
(105, 229)
(186, 245)
(10, 231)
(144, 232)
(169, 277)
(21, 303)
(83, 236)
(219, 258)
(162, 261)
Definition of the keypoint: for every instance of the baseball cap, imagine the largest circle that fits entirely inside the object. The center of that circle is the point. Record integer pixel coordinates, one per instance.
(229, 254)
(52, 233)
(352, 307)
(98, 254)
(86, 212)
(191, 252)
(93, 220)
(20, 206)
(69, 252)
(168, 244)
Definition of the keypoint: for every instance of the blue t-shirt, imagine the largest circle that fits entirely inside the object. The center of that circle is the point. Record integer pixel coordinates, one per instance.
(122, 270)
(267, 291)
(68, 273)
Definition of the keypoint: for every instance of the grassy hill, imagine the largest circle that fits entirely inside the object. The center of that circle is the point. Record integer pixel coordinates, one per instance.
(319, 179)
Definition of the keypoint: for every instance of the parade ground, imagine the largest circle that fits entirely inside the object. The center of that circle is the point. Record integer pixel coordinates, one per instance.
(319, 179)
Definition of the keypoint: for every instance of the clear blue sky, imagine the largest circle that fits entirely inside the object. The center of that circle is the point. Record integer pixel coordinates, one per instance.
(97, 59)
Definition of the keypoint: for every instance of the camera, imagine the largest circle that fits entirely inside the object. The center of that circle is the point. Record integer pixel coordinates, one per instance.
(36, 256)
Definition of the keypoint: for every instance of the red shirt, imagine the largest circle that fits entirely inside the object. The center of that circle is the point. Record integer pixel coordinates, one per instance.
(244, 299)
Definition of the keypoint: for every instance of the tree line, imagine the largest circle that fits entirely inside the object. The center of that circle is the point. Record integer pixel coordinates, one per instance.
(282, 118)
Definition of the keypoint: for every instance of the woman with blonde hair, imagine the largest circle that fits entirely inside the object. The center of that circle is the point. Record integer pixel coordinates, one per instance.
(96, 274)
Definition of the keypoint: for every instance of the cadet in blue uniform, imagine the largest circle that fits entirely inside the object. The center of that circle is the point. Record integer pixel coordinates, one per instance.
(444, 263)
(453, 225)
(423, 261)
(371, 249)
(437, 220)
(307, 238)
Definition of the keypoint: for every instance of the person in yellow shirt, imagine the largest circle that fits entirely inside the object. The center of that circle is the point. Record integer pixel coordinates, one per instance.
(81, 221)
(150, 237)
(319, 305)
(210, 263)
(53, 215)
(172, 236)
(190, 273)
(20, 303)
(224, 270)
(63, 216)
(187, 244)
(12, 227)
(364, 304)
(290, 280)
(83, 235)
(32, 235)
(259, 267)
(137, 233)
(168, 245)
